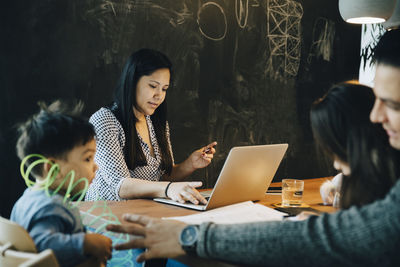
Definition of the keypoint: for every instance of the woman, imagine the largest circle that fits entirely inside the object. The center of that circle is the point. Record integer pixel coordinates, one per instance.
(359, 149)
(134, 152)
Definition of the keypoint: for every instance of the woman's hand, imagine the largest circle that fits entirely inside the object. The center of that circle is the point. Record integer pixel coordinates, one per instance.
(327, 191)
(185, 191)
(202, 157)
(159, 237)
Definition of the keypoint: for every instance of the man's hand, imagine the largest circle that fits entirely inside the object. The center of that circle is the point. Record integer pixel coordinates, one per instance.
(159, 237)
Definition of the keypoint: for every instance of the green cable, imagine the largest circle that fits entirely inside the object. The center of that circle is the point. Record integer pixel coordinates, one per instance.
(118, 258)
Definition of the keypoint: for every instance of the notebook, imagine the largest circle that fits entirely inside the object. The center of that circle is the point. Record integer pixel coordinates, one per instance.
(246, 175)
(243, 212)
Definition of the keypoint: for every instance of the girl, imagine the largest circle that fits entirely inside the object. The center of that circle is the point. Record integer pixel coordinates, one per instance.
(359, 149)
(134, 152)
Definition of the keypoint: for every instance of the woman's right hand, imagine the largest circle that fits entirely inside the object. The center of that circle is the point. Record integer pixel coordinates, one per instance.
(330, 190)
(327, 191)
(185, 191)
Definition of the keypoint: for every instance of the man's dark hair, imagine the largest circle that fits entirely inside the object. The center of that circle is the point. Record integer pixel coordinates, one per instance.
(387, 51)
(53, 132)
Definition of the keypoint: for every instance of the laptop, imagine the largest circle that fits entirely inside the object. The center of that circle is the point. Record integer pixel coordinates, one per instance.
(246, 175)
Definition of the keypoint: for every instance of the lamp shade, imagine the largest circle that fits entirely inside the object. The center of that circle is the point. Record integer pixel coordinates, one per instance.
(394, 21)
(366, 11)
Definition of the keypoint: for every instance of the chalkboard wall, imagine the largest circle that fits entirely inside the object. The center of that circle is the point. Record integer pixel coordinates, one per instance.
(245, 72)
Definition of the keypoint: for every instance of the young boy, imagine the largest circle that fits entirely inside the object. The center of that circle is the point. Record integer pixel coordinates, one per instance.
(66, 140)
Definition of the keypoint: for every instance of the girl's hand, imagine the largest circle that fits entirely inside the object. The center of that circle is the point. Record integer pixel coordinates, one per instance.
(202, 158)
(185, 191)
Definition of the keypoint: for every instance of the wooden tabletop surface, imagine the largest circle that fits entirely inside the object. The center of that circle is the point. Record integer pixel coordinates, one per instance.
(311, 196)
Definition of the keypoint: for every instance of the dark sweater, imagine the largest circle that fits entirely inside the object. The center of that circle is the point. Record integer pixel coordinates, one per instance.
(364, 236)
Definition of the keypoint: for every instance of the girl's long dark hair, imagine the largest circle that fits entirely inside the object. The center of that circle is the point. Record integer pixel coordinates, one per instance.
(141, 63)
(341, 126)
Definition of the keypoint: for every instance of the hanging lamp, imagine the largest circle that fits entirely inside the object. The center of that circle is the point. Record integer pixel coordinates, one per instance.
(394, 21)
(366, 11)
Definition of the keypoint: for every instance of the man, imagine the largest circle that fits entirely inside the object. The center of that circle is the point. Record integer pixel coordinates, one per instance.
(364, 236)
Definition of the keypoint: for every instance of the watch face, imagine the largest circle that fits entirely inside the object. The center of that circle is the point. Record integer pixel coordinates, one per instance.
(189, 235)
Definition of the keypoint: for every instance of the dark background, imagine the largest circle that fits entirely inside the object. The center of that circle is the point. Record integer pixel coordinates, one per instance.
(246, 72)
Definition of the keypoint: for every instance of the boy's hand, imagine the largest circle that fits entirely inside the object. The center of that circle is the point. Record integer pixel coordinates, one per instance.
(98, 246)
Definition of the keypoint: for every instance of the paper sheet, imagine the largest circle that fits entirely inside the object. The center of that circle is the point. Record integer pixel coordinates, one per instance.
(243, 212)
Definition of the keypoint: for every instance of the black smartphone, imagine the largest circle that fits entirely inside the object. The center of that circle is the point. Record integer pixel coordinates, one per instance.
(274, 190)
(293, 211)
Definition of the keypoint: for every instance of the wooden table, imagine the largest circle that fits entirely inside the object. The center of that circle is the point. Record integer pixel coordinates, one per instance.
(311, 196)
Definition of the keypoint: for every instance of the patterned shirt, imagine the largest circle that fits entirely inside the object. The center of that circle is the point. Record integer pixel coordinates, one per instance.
(110, 142)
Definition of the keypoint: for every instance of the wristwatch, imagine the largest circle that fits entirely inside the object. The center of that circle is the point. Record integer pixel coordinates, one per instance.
(188, 238)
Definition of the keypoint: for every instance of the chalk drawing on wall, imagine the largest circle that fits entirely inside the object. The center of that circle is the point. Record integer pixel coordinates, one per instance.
(116, 21)
(255, 3)
(181, 16)
(322, 42)
(230, 125)
(242, 12)
(209, 18)
(106, 15)
(126, 7)
(283, 35)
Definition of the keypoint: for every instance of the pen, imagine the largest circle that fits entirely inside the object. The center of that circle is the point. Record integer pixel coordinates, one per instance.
(208, 148)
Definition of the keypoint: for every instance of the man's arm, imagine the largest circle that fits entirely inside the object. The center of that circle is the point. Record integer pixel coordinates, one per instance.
(357, 236)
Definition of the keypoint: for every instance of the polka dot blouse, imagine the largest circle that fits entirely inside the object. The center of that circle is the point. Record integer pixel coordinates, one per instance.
(110, 142)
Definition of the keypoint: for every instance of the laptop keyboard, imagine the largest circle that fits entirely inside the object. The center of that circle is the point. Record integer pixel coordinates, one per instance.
(206, 194)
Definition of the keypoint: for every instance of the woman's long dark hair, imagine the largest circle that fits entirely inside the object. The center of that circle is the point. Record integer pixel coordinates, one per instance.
(141, 63)
(341, 126)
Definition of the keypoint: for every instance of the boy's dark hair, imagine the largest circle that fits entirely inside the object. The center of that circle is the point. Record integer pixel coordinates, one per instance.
(341, 126)
(141, 63)
(387, 51)
(53, 132)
